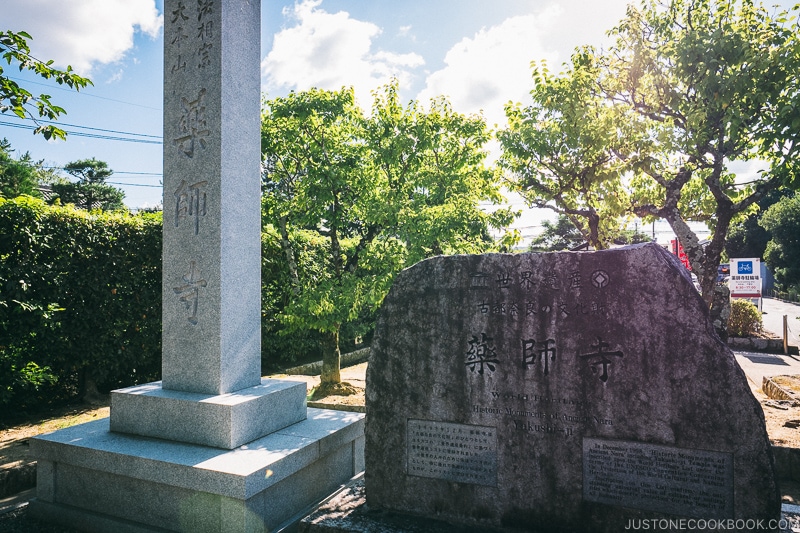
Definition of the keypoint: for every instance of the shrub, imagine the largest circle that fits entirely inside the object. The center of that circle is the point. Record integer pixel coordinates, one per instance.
(745, 319)
(80, 301)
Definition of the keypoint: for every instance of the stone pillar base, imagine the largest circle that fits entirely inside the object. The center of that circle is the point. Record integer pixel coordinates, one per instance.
(96, 480)
(222, 421)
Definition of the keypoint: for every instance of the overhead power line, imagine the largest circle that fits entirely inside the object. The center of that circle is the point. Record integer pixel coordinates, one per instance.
(83, 92)
(134, 184)
(116, 172)
(84, 134)
(96, 129)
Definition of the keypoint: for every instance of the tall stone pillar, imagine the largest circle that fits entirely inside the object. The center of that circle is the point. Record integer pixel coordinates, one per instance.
(213, 446)
(212, 225)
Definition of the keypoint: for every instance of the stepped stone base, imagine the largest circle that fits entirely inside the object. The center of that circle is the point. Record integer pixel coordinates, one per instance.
(96, 480)
(223, 421)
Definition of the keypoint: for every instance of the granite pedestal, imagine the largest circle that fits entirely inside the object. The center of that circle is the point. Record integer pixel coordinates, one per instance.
(96, 480)
(219, 420)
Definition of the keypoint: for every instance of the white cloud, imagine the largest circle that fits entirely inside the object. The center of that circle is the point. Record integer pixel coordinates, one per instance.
(82, 33)
(484, 72)
(330, 51)
(491, 68)
(116, 76)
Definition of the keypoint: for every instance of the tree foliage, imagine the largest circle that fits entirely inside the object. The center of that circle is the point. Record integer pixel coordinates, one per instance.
(17, 176)
(558, 236)
(707, 80)
(90, 191)
(374, 193)
(566, 149)
(564, 235)
(693, 85)
(746, 237)
(21, 102)
(782, 254)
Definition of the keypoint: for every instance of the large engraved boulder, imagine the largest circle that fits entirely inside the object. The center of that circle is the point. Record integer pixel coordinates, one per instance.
(561, 392)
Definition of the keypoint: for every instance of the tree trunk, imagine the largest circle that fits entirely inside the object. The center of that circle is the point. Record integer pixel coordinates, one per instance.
(331, 359)
(336, 255)
(289, 252)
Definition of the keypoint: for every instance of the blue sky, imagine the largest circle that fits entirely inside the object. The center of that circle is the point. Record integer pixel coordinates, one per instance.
(477, 52)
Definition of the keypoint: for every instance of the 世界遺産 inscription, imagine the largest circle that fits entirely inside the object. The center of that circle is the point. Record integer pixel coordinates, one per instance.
(454, 452)
(680, 481)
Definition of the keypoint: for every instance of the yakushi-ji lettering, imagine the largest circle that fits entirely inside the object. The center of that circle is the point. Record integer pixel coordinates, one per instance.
(192, 126)
(533, 351)
(599, 360)
(481, 353)
(190, 202)
(189, 291)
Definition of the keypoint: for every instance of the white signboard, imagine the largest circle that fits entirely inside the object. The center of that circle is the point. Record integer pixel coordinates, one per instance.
(745, 279)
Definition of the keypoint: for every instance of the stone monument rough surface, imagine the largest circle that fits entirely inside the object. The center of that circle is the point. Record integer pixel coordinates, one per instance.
(560, 392)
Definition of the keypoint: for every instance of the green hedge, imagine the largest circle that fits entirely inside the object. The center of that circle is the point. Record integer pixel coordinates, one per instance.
(81, 301)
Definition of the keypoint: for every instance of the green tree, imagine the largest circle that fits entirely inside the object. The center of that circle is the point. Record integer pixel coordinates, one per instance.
(90, 191)
(746, 237)
(557, 236)
(711, 82)
(566, 150)
(315, 180)
(564, 235)
(17, 176)
(428, 168)
(16, 99)
(373, 193)
(782, 221)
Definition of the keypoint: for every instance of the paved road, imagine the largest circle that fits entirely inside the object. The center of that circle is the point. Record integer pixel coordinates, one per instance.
(773, 311)
(758, 365)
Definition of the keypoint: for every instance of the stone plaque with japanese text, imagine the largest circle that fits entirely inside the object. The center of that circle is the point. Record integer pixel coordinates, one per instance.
(456, 452)
(551, 353)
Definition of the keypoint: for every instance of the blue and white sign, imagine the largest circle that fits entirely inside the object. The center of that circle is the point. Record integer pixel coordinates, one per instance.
(744, 266)
(745, 280)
